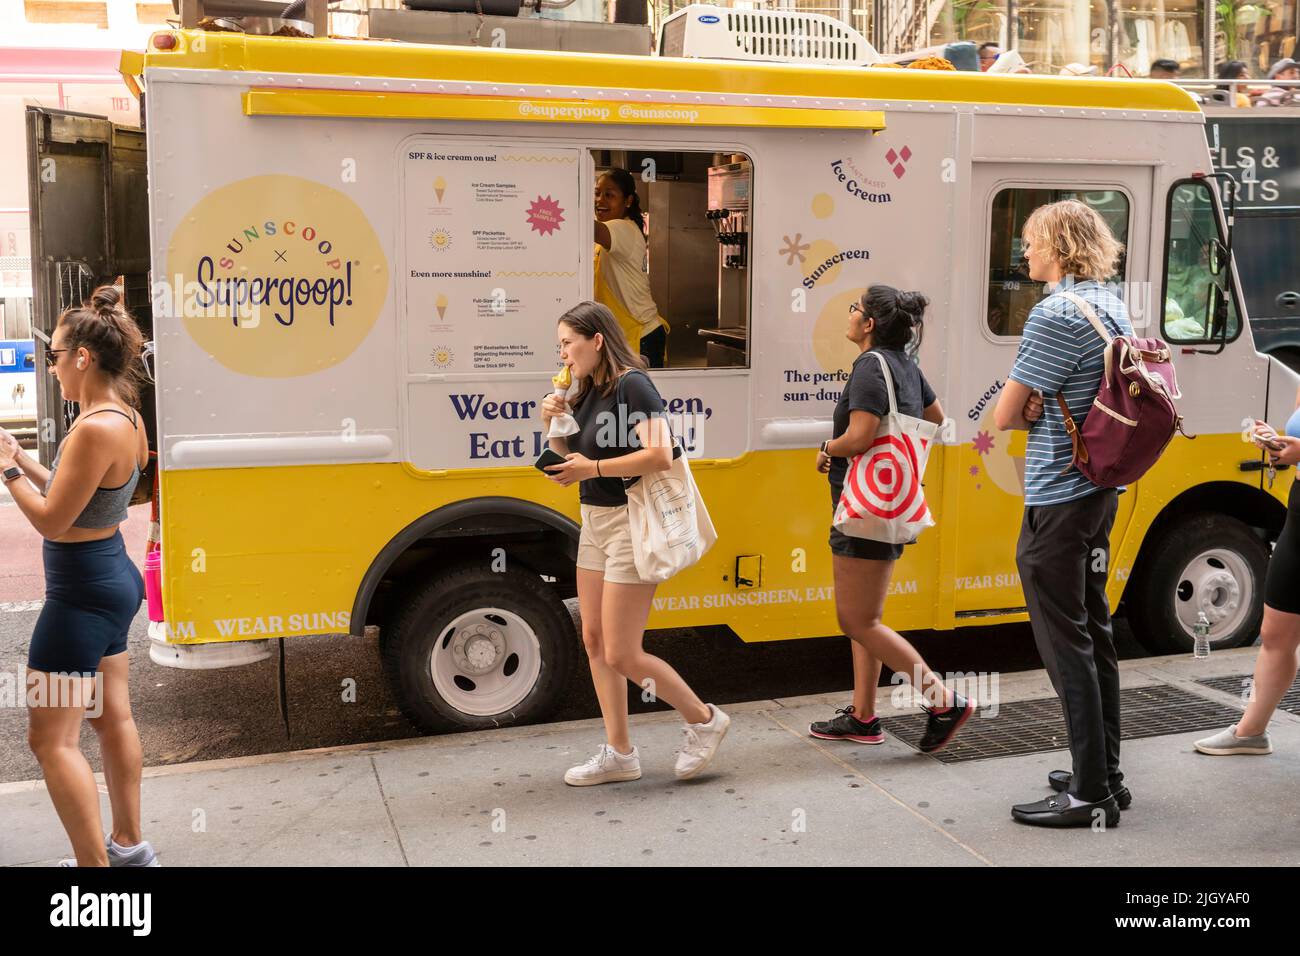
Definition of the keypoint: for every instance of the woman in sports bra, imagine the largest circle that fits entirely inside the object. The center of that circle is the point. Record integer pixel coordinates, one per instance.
(77, 663)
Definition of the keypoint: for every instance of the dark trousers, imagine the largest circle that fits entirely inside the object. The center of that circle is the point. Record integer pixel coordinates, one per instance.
(1063, 555)
(653, 347)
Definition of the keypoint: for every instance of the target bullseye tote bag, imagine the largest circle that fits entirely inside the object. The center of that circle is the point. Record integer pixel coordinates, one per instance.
(883, 499)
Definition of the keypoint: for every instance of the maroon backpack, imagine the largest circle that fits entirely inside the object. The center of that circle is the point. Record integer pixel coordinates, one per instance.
(1133, 417)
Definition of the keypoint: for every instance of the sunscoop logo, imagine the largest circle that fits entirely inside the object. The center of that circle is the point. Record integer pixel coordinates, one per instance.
(76, 909)
(275, 276)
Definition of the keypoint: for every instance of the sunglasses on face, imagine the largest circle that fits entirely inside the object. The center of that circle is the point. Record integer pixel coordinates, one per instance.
(52, 356)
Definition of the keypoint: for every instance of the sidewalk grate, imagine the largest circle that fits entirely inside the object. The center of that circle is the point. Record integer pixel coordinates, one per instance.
(1237, 684)
(1037, 726)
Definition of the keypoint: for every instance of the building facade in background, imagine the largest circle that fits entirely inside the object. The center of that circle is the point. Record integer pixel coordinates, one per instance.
(1108, 34)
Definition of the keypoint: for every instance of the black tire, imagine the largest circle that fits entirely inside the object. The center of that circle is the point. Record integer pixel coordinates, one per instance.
(1157, 587)
(424, 621)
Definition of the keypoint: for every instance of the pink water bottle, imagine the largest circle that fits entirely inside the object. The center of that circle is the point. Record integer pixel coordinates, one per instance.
(153, 584)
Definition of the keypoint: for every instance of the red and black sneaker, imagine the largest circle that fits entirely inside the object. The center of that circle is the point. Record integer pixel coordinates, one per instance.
(944, 724)
(844, 726)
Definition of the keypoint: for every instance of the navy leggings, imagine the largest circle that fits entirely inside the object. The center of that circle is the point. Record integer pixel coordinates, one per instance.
(92, 593)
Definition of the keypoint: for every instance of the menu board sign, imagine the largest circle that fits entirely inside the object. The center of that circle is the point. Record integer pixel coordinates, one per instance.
(493, 254)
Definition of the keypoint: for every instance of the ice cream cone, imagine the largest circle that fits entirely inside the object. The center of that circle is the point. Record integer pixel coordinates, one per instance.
(565, 424)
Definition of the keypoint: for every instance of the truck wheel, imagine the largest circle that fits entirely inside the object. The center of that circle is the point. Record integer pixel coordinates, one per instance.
(1206, 563)
(475, 649)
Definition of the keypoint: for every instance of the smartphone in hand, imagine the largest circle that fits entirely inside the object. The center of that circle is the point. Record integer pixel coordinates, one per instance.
(548, 459)
(1268, 438)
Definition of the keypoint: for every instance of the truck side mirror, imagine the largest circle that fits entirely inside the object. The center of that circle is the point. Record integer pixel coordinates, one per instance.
(1218, 257)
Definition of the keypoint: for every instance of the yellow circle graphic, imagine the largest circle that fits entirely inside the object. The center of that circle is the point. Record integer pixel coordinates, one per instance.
(277, 276)
(815, 256)
(822, 205)
(833, 350)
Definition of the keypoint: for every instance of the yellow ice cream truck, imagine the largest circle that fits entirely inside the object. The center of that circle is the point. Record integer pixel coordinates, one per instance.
(357, 251)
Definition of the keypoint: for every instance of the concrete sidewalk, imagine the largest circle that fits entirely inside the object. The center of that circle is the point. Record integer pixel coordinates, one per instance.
(773, 796)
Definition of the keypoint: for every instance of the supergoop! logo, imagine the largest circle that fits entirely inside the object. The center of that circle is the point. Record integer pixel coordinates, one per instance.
(275, 276)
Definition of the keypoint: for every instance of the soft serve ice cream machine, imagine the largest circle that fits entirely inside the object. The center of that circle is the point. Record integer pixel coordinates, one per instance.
(729, 213)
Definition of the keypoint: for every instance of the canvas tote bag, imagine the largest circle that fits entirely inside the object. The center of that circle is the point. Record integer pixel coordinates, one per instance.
(671, 528)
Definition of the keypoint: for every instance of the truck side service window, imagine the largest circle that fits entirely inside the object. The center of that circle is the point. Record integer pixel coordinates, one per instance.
(1194, 262)
(1011, 292)
(694, 273)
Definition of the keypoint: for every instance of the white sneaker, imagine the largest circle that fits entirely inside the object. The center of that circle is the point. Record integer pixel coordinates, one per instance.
(141, 854)
(701, 743)
(608, 766)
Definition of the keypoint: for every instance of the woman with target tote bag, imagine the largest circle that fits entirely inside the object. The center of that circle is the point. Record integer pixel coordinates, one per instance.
(887, 416)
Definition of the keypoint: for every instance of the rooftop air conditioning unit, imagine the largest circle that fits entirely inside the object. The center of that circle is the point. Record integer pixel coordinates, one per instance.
(783, 36)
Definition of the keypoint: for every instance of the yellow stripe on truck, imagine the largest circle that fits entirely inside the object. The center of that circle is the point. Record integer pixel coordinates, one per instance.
(371, 105)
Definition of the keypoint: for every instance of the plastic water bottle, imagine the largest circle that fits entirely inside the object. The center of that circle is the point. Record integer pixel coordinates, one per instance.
(1201, 636)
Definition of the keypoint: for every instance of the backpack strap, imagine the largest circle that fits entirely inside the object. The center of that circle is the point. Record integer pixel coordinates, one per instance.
(1084, 306)
(1072, 429)
(1076, 440)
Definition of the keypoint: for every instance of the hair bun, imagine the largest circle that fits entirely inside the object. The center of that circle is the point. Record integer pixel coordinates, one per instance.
(913, 303)
(105, 299)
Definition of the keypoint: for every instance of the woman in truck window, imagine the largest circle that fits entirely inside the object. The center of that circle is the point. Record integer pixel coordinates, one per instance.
(621, 282)
(614, 601)
(78, 656)
(887, 321)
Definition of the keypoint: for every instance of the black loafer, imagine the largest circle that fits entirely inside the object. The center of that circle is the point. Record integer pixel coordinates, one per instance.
(1056, 811)
(1059, 780)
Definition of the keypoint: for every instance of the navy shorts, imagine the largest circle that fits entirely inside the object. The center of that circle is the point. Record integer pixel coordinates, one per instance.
(92, 593)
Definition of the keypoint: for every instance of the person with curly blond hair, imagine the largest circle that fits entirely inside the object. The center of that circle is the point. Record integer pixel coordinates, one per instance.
(1064, 546)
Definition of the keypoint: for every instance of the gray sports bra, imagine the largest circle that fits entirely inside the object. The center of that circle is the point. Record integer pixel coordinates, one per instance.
(107, 506)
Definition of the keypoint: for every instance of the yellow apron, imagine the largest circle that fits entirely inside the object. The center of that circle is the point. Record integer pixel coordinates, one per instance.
(606, 297)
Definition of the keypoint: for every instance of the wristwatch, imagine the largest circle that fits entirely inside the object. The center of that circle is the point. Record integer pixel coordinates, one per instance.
(12, 472)
(824, 451)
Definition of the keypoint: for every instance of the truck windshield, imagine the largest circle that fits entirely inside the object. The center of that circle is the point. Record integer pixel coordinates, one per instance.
(1195, 262)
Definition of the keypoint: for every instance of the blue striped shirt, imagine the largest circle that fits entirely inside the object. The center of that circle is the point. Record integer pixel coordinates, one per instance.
(1060, 351)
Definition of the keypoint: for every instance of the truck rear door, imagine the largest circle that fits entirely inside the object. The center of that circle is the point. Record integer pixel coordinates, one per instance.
(89, 212)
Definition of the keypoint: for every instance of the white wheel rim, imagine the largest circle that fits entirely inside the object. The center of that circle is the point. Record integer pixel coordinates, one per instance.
(1217, 583)
(471, 658)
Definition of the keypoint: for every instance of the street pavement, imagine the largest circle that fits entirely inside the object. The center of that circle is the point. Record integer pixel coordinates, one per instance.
(773, 796)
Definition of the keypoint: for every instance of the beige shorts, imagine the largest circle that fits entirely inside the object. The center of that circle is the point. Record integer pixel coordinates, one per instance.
(605, 544)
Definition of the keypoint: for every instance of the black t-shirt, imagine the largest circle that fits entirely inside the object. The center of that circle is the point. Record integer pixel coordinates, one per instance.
(865, 392)
(608, 432)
